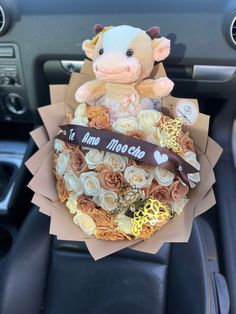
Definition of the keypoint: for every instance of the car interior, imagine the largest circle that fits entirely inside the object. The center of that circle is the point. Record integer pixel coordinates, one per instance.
(40, 45)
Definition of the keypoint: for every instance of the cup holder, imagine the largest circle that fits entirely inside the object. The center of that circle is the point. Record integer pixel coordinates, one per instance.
(6, 241)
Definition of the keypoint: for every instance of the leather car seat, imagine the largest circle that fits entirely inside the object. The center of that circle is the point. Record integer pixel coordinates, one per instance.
(44, 275)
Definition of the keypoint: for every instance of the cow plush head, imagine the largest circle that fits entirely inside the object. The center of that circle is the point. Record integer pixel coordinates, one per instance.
(125, 54)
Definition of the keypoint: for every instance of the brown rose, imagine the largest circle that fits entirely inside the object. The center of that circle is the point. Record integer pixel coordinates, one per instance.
(178, 190)
(105, 233)
(111, 180)
(139, 134)
(186, 142)
(163, 120)
(67, 147)
(93, 111)
(85, 204)
(77, 164)
(100, 121)
(161, 193)
(61, 189)
(146, 232)
(102, 218)
(68, 118)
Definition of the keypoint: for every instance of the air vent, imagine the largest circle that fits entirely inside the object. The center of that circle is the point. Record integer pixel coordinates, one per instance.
(233, 31)
(4, 18)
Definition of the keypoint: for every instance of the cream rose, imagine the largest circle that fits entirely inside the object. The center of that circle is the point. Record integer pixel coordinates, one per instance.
(163, 176)
(191, 158)
(71, 204)
(85, 222)
(136, 177)
(154, 136)
(123, 125)
(107, 200)
(93, 158)
(80, 111)
(73, 183)
(58, 145)
(90, 183)
(147, 119)
(80, 121)
(117, 162)
(62, 163)
(177, 207)
(123, 223)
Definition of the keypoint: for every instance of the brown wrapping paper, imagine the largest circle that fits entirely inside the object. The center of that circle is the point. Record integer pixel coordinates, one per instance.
(43, 183)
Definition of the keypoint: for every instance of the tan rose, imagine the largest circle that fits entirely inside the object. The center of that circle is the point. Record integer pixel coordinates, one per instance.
(146, 232)
(85, 204)
(156, 191)
(100, 121)
(101, 218)
(111, 180)
(178, 190)
(77, 162)
(105, 233)
(93, 111)
(61, 189)
(162, 120)
(68, 118)
(139, 134)
(186, 142)
(70, 147)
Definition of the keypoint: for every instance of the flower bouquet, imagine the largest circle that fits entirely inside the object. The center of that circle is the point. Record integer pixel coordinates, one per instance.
(121, 163)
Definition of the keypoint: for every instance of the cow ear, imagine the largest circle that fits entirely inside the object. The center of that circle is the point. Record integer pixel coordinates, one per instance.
(161, 48)
(88, 48)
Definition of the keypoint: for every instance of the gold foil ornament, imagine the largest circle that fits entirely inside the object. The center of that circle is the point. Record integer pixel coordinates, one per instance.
(170, 131)
(152, 212)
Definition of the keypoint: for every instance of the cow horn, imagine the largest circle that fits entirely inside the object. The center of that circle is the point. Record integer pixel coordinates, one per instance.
(97, 28)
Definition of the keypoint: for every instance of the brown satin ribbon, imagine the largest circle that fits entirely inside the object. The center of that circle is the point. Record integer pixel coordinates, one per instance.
(127, 146)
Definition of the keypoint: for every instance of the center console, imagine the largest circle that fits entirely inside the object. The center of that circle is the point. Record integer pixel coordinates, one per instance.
(13, 96)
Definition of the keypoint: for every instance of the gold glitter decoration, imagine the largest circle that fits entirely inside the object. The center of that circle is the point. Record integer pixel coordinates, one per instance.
(152, 212)
(170, 131)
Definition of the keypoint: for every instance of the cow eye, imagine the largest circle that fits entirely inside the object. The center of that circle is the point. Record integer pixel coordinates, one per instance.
(129, 53)
(101, 51)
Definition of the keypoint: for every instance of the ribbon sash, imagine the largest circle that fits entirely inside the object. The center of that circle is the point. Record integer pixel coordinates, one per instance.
(127, 146)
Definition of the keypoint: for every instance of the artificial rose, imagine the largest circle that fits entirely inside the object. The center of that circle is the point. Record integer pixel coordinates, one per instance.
(105, 233)
(93, 111)
(191, 158)
(80, 111)
(146, 232)
(108, 200)
(102, 218)
(77, 162)
(80, 121)
(136, 177)
(100, 121)
(71, 204)
(68, 118)
(85, 204)
(154, 136)
(117, 162)
(178, 190)
(85, 222)
(123, 223)
(58, 145)
(177, 207)
(163, 176)
(186, 142)
(162, 120)
(111, 180)
(61, 189)
(90, 183)
(139, 134)
(124, 125)
(73, 183)
(147, 119)
(62, 163)
(161, 193)
(93, 158)
(68, 147)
